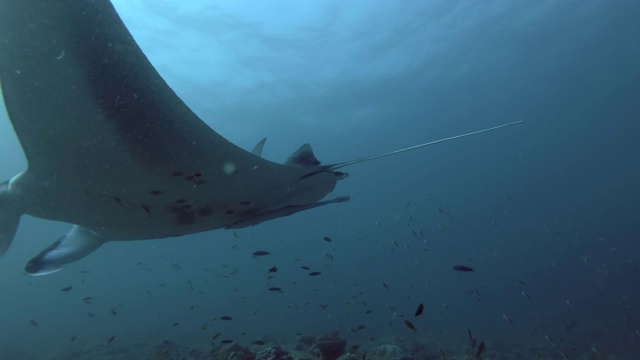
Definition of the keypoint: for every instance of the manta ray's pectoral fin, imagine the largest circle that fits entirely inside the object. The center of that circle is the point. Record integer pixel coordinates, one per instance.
(74, 245)
(257, 150)
(9, 217)
(282, 212)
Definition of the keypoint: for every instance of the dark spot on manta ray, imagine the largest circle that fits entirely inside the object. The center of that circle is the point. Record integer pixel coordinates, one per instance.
(185, 218)
(118, 200)
(205, 210)
(155, 192)
(177, 173)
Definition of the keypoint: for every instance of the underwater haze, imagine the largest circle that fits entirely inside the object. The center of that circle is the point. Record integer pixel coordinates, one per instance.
(546, 214)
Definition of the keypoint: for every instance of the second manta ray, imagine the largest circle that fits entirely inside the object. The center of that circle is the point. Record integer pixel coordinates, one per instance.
(112, 150)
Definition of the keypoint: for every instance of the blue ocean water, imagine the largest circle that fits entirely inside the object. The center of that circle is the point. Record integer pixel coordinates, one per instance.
(546, 213)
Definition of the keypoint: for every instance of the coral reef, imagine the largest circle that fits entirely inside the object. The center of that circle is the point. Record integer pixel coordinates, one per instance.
(385, 352)
(304, 342)
(330, 346)
(231, 352)
(273, 353)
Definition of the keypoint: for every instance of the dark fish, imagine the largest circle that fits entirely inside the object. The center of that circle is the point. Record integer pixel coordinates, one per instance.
(327, 239)
(91, 315)
(225, 317)
(113, 312)
(33, 323)
(87, 299)
(323, 306)
(216, 335)
(305, 268)
(480, 349)
(315, 273)
(261, 253)
(469, 333)
(276, 289)
(175, 324)
(462, 268)
(73, 338)
(110, 339)
(410, 325)
(226, 341)
(420, 310)
(258, 342)
(273, 269)
(67, 288)
(385, 285)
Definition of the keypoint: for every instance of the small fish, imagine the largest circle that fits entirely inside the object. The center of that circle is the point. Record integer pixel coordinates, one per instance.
(226, 341)
(305, 268)
(323, 306)
(462, 268)
(87, 299)
(327, 239)
(385, 285)
(480, 349)
(110, 339)
(66, 288)
(410, 325)
(216, 335)
(261, 253)
(273, 269)
(276, 289)
(550, 340)
(315, 273)
(33, 323)
(226, 318)
(73, 338)
(91, 315)
(258, 342)
(419, 310)
(508, 319)
(175, 324)
(114, 312)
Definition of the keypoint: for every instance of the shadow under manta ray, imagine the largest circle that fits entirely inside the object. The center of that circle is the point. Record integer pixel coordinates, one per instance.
(113, 150)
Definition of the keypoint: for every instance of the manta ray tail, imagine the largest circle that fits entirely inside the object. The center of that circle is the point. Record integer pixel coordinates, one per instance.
(9, 217)
(74, 245)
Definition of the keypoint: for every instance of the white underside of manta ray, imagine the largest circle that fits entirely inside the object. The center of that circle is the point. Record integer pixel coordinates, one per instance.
(112, 150)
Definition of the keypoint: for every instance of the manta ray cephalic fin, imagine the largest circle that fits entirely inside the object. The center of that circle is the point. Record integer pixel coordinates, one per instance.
(74, 245)
(9, 216)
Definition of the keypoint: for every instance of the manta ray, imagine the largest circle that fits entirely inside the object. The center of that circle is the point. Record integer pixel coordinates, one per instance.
(112, 150)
